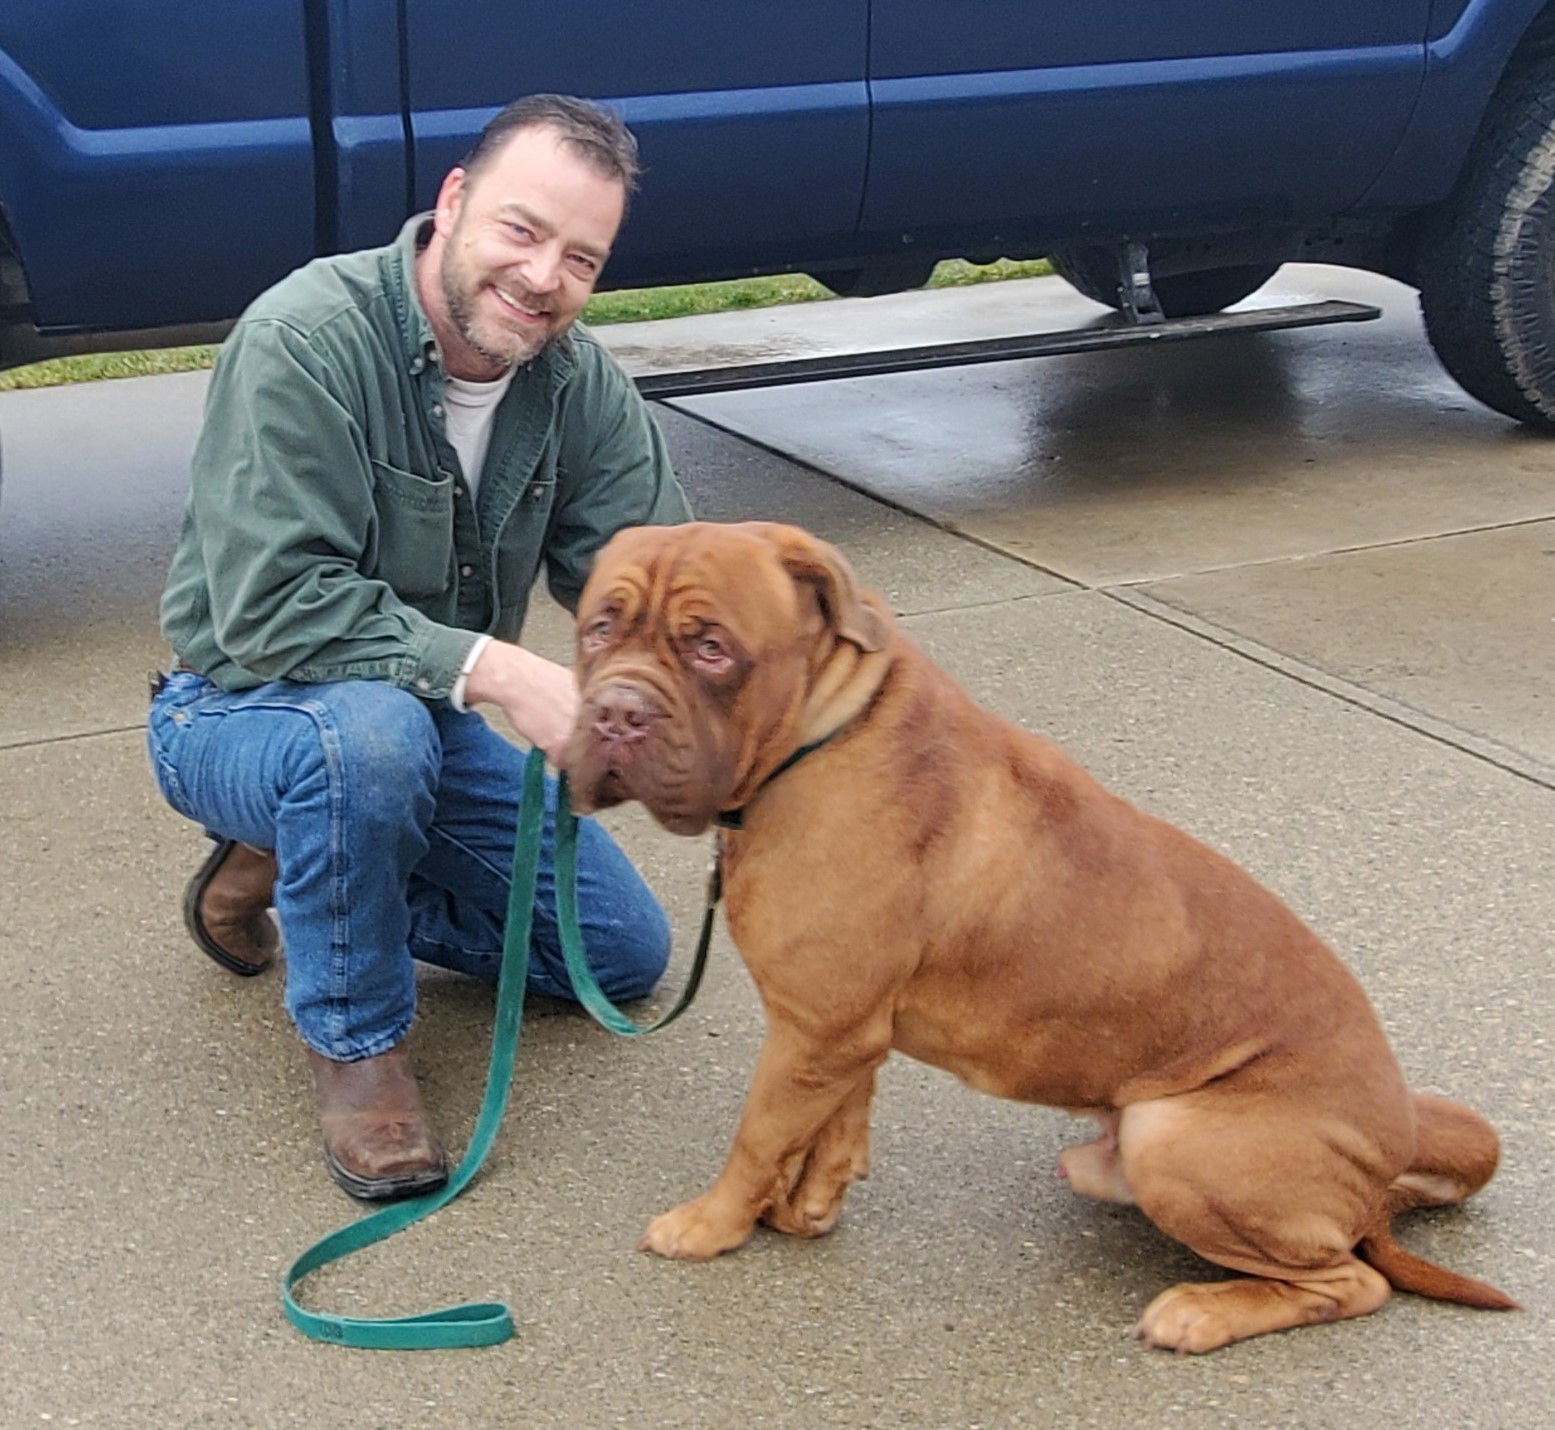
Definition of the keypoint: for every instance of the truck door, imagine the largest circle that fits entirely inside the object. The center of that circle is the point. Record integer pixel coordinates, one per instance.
(1041, 119)
(753, 123)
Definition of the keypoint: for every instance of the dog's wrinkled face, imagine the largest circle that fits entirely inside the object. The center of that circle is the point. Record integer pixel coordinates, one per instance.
(698, 647)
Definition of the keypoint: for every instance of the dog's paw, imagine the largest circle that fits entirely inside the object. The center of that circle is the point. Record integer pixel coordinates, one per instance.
(813, 1203)
(809, 1216)
(1189, 1319)
(695, 1232)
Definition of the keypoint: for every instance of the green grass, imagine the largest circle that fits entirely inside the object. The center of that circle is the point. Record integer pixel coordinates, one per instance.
(628, 305)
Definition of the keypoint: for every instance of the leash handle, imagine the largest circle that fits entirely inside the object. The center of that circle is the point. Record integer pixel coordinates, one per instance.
(482, 1323)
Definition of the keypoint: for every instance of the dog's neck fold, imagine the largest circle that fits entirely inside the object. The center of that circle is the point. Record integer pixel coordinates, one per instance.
(843, 687)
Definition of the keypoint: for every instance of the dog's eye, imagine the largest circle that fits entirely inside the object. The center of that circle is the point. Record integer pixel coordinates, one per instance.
(600, 628)
(709, 654)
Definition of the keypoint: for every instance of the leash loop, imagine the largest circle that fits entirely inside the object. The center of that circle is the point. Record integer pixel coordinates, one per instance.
(590, 994)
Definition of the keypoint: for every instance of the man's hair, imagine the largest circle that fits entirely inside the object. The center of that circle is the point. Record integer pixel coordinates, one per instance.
(592, 132)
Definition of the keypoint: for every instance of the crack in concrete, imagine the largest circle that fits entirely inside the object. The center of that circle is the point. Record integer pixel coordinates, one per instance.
(32, 744)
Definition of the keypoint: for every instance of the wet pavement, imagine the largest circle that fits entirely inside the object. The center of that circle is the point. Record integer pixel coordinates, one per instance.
(1293, 590)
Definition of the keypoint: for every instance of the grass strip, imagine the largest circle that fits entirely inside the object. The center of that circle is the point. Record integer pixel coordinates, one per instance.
(626, 305)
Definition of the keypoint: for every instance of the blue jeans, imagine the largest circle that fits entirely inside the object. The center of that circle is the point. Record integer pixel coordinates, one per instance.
(392, 822)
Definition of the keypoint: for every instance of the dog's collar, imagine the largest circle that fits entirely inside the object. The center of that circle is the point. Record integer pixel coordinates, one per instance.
(735, 818)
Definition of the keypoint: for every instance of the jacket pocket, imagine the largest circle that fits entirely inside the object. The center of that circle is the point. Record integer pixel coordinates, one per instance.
(411, 548)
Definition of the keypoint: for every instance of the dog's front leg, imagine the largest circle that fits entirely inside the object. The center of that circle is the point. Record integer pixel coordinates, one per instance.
(817, 1178)
(802, 1082)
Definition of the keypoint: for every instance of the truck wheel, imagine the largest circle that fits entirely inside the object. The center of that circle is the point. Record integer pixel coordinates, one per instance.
(1486, 271)
(1094, 271)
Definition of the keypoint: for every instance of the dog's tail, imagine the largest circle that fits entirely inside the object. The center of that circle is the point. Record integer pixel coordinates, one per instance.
(1456, 1152)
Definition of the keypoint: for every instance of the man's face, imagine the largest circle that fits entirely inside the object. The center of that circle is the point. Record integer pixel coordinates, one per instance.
(523, 243)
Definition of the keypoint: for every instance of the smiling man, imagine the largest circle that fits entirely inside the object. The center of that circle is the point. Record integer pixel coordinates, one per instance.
(396, 443)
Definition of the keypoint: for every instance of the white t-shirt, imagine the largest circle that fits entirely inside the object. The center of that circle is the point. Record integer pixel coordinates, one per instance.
(471, 409)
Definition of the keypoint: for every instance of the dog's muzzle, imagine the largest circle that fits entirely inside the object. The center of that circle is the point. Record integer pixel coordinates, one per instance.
(634, 742)
(613, 744)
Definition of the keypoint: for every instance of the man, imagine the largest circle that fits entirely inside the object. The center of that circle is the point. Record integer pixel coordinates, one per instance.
(394, 443)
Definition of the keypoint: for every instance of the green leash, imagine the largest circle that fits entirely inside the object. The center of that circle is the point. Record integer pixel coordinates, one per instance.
(488, 1323)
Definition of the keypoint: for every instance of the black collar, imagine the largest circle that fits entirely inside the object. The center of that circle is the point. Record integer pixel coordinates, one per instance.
(735, 818)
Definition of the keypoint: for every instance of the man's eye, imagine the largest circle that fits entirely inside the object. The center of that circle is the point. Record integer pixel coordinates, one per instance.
(519, 231)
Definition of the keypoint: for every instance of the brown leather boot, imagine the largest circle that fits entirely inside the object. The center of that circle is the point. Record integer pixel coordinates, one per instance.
(378, 1140)
(227, 908)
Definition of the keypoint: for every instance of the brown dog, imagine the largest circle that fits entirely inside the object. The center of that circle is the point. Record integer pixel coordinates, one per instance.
(929, 878)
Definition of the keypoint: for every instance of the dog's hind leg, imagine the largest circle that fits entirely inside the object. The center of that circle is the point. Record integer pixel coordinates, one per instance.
(1456, 1152)
(1272, 1191)
(822, 1173)
(1192, 1318)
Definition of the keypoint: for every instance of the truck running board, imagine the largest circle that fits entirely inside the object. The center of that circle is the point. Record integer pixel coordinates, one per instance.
(700, 382)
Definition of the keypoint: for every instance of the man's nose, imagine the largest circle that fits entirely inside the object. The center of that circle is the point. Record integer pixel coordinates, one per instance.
(622, 714)
(542, 269)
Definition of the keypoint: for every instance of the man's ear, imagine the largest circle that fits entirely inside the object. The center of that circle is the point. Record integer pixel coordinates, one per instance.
(450, 197)
(812, 562)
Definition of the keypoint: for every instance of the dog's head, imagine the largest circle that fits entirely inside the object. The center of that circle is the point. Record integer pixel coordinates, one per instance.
(707, 653)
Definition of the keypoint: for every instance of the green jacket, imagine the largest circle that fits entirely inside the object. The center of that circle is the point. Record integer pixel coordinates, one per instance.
(328, 533)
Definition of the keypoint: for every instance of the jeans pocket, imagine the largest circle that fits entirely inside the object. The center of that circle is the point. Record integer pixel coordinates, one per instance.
(168, 782)
(166, 774)
(166, 720)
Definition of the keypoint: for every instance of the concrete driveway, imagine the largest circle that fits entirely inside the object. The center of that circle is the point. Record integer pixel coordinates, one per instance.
(1293, 591)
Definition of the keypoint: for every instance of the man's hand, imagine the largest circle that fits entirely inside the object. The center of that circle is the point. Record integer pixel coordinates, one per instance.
(538, 696)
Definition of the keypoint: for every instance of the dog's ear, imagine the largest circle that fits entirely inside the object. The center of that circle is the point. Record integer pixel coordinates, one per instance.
(823, 568)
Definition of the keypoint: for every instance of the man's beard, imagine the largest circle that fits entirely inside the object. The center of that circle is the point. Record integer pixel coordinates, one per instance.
(460, 301)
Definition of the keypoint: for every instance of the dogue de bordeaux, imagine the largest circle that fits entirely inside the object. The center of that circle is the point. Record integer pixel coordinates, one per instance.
(908, 871)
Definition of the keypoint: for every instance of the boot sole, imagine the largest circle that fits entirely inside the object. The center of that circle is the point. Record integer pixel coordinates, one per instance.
(384, 1189)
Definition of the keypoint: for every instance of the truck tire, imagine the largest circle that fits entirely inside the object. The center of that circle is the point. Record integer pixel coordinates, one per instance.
(1486, 270)
(1094, 271)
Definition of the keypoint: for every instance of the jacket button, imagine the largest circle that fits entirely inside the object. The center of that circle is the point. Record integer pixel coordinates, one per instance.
(466, 570)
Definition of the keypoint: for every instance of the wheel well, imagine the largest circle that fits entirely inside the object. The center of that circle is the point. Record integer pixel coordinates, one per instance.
(1401, 250)
(1537, 44)
(14, 304)
(16, 330)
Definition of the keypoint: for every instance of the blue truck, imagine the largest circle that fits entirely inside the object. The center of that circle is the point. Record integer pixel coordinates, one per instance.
(162, 161)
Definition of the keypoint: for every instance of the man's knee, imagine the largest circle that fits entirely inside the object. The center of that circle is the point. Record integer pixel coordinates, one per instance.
(627, 952)
(638, 955)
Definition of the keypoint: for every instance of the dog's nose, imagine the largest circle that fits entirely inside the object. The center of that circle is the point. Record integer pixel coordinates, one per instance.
(622, 714)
